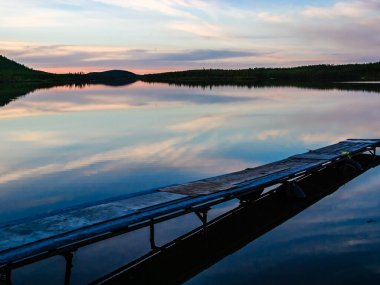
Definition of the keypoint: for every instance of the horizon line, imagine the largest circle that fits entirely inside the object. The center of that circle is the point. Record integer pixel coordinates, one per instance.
(149, 71)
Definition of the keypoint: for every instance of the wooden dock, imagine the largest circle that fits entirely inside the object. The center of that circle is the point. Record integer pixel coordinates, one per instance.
(187, 255)
(61, 232)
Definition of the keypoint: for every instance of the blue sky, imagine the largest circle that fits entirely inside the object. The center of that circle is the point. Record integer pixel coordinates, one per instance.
(149, 36)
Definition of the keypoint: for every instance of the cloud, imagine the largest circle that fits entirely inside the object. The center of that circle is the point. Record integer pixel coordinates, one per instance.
(349, 9)
(151, 36)
(196, 55)
(199, 28)
(169, 8)
(103, 57)
(190, 9)
(267, 17)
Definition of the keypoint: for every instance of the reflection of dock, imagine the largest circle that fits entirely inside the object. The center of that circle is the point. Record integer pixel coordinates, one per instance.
(62, 232)
(188, 255)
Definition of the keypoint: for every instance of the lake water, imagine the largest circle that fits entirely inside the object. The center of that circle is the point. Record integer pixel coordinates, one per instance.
(65, 146)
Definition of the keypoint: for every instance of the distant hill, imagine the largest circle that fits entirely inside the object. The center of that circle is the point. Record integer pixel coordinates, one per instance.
(112, 77)
(11, 71)
(111, 74)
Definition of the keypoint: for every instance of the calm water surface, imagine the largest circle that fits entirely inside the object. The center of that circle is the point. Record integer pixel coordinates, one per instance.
(65, 146)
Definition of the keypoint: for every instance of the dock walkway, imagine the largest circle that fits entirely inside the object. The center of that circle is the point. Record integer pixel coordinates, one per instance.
(28, 240)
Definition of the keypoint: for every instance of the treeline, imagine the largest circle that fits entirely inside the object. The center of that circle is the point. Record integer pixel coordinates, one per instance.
(269, 76)
(11, 71)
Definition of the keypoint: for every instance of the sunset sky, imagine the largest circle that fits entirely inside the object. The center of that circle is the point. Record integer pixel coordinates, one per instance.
(152, 36)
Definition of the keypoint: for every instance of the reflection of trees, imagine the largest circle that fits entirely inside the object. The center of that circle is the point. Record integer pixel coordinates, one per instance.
(295, 75)
(13, 91)
(366, 87)
(10, 92)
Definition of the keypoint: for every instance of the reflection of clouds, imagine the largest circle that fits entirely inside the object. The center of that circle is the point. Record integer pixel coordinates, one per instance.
(171, 152)
(270, 134)
(322, 138)
(40, 109)
(200, 124)
(355, 242)
(360, 187)
(237, 121)
(337, 244)
(101, 98)
(139, 152)
(19, 112)
(39, 137)
(318, 119)
(40, 201)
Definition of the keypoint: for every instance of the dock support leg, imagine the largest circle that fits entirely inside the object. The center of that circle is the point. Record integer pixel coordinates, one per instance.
(202, 215)
(356, 165)
(152, 240)
(244, 199)
(292, 189)
(5, 277)
(69, 265)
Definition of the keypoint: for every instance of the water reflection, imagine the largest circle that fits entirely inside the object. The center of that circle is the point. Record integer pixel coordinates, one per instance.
(12, 92)
(64, 146)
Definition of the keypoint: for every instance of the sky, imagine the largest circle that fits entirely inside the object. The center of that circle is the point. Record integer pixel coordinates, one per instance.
(153, 36)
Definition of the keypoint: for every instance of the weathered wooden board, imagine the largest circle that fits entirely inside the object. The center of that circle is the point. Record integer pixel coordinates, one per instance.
(223, 182)
(316, 156)
(343, 147)
(28, 232)
(370, 141)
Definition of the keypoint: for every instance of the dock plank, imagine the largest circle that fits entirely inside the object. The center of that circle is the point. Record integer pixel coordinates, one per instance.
(223, 182)
(16, 235)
